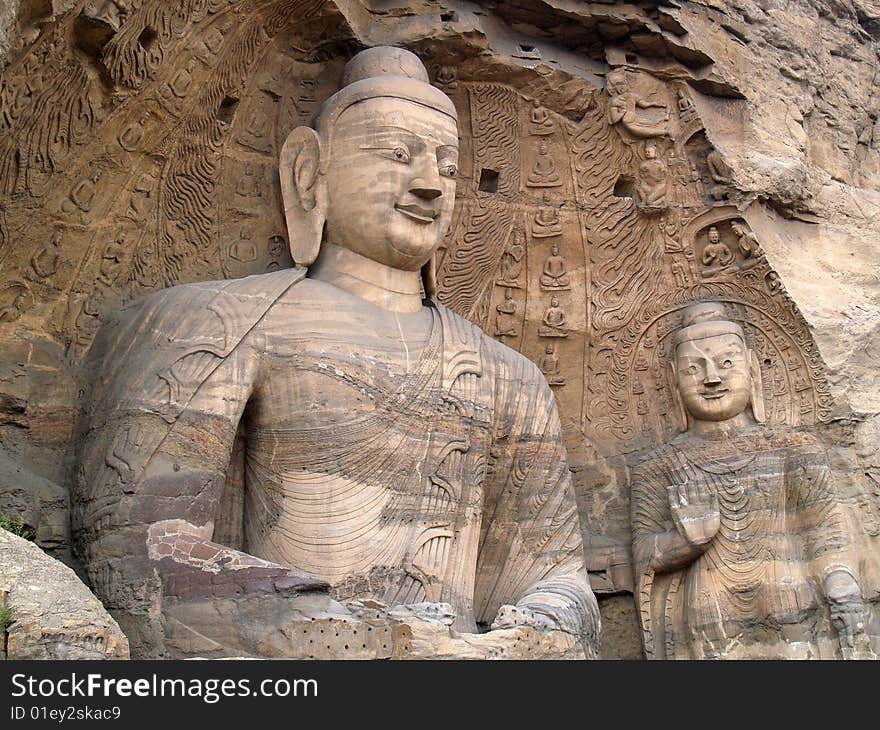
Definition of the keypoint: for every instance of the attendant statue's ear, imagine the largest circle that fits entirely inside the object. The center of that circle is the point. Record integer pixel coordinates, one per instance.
(757, 394)
(304, 192)
(677, 403)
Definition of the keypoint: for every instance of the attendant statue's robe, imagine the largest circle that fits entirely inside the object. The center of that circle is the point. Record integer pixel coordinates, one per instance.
(757, 589)
(429, 467)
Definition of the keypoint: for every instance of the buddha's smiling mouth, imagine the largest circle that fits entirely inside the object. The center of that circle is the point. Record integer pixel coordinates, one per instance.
(418, 213)
(715, 394)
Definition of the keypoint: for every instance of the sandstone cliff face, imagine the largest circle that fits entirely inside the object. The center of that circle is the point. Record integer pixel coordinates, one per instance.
(785, 93)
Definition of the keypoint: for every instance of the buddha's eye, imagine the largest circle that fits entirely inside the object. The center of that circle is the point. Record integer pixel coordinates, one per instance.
(401, 154)
(692, 369)
(448, 170)
(727, 364)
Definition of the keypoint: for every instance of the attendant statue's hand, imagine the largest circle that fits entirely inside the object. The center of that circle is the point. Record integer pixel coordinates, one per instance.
(848, 615)
(694, 508)
(511, 616)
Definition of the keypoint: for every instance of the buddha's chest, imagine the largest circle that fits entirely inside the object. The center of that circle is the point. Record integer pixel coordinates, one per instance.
(752, 498)
(320, 378)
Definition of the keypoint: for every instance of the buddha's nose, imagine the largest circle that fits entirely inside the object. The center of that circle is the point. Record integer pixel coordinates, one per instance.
(424, 189)
(712, 377)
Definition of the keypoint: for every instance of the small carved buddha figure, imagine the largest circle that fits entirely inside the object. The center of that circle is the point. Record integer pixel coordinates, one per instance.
(624, 104)
(14, 302)
(180, 85)
(680, 272)
(142, 197)
(720, 173)
(111, 260)
(716, 255)
(541, 123)
(511, 260)
(686, 110)
(368, 412)
(555, 275)
(543, 173)
(447, 77)
(44, 262)
(670, 227)
(249, 185)
(554, 321)
(547, 222)
(505, 324)
(255, 133)
(83, 194)
(549, 364)
(653, 176)
(739, 546)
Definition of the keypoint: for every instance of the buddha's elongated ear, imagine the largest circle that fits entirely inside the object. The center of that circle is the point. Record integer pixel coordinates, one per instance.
(677, 403)
(757, 390)
(304, 192)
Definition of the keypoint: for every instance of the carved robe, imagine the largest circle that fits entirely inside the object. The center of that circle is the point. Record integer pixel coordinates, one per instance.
(756, 591)
(436, 473)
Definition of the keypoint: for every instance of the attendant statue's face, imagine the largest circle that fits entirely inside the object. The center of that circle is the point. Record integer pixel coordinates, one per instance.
(713, 376)
(391, 180)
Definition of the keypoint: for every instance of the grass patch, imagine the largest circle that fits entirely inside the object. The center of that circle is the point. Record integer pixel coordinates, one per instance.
(7, 618)
(16, 526)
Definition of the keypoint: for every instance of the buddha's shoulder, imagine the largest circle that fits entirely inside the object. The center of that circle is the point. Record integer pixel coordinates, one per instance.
(225, 298)
(256, 287)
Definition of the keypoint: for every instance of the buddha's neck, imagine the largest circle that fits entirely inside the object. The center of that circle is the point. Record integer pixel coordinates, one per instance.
(384, 286)
(721, 428)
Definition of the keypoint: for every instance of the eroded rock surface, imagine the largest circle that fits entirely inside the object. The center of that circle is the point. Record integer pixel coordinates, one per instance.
(54, 615)
(763, 123)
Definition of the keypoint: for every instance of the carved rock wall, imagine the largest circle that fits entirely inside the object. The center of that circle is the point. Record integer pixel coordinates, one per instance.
(605, 148)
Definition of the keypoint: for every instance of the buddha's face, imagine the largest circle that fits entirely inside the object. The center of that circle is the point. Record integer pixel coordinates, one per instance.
(391, 180)
(714, 236)
(713, 377)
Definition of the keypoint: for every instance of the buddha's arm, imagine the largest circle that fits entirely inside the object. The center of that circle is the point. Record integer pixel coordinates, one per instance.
(657, 544)
(819, 521)
(817, 514)
(531, 553)
(155, 449)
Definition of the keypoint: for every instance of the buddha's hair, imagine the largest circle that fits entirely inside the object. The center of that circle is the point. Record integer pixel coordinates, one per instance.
(706, 319)
(383, 71)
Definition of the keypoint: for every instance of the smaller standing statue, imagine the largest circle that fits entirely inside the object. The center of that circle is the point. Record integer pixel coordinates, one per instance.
(739, 543)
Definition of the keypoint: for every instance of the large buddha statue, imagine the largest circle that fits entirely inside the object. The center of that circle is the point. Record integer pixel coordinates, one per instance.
(739, 542)
(364, 416)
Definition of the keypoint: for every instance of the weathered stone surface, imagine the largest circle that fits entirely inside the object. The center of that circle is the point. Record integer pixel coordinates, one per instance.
(54, 615)
(765, 118)
(317, 627)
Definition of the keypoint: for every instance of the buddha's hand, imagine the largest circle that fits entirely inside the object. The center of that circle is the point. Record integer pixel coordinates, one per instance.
(848, 614)
(694, 508)
(511, 616)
